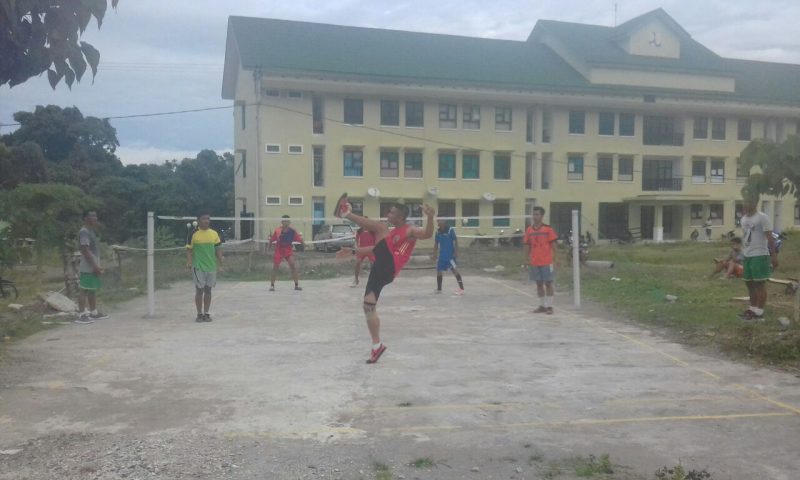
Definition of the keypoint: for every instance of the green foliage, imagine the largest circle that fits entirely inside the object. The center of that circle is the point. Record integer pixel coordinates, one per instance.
(589, 467)
(7, 256)
(422, 463)
(779, 165)
(382, 471)
(43, 35)
(679, 473)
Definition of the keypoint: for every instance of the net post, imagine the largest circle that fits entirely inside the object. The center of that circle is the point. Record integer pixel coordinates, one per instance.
(151, 279)
(576, 261)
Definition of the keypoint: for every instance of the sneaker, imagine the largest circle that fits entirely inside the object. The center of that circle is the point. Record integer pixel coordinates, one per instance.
(207, 317)
(98, 316)
(437, 292)
(376, 354)
(541, 309)
(354, 284)
(459, 291)
(298, 287)
(749, 315)
(83, 319)
(549, 311)
(200, 318)
(272, 288)
(342, 206)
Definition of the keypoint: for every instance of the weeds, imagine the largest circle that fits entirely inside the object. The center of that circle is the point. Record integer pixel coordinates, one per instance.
(423, 463)
(679, 473)
(588, 467)
(382, 471)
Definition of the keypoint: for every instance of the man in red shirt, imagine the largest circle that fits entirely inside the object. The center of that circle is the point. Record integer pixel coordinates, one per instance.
(284, 237)
(364, 238)
(539, 252)
(392, 251)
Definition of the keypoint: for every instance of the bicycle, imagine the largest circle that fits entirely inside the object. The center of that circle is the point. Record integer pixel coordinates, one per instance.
(7, 287)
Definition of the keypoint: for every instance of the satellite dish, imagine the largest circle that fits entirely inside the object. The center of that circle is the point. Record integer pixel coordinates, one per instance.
(433, 191)
(489, 196)
(373, 192)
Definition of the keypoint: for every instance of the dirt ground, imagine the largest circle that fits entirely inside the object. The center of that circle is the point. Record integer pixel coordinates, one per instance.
(472, 387)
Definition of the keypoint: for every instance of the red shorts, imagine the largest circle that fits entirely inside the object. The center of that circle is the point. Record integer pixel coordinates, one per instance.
(281, 253)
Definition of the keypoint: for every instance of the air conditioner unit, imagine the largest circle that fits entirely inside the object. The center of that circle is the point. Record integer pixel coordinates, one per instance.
(433, 191)
(373, 192)
(489, 196)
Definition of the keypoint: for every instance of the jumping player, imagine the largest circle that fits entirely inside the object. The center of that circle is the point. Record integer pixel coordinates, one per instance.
(445, 249)
(364, 238)
(539, 245)
(392, 251)
(283, 237)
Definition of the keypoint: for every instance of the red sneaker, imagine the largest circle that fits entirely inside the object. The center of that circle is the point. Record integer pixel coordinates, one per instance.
(376, 354)
(342, 206)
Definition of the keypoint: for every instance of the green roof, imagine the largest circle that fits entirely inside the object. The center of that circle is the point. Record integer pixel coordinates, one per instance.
(304, 48)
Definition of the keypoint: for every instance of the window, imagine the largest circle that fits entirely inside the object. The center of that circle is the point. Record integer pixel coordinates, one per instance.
(415, 211)
(529, 126)
(295, 200)
(741, 175)
(797, 213)
(390, 113)
(447, 116)
(353, 163)
(390, 163)
(696, 214)
(606, 123)
(500, 208)
(577, 122)
(293, 94)
(471, 166)
(547, 126)
(574, 167)
(447, 165)
(625, 169)
(272, 93)
(530, 159)
(502, 119)
(717, 171)
(273, 148)
(319, 167)
(502, 166)
(412, 166)
(470, 210)
(605, 168)
(472, 117)
(662, 130)
(295, 149)
(700, 127)
(447, 209)
(718, 128)
(415, 114)
(354, 111)
(317, 115)
(358, 205)
(626, 124)
(699, 171)
(744, 128)
(273, 200)
(717, 213)
(242, 167)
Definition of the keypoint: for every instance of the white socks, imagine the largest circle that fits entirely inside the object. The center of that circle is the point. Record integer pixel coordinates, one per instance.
(377, 345)
(757, 311)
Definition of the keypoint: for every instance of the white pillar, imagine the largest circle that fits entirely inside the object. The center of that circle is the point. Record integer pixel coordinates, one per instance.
(576, 260)
(151, 279)
(658, 224)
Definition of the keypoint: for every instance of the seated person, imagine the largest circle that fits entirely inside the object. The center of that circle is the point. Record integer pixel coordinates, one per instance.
(732, 264)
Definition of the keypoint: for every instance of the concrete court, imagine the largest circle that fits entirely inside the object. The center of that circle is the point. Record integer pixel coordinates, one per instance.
(466, 380)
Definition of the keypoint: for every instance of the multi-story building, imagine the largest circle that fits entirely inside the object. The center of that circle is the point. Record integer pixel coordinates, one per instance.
(638, 126)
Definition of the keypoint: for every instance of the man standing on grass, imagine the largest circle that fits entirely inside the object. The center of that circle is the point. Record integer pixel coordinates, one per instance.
(539, 252)
(760, 257)
(89, 269)
(284, 238)
(203, 255)
(392, 251)
(445, 251)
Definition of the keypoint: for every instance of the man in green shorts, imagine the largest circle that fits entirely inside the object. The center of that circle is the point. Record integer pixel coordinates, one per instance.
(89, 269)
(760, 257)
(203, 253)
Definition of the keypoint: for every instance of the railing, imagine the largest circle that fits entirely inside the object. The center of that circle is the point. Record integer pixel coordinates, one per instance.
(662, 184)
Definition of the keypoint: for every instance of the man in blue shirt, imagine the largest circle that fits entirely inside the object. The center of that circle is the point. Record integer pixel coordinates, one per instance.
(445, 249)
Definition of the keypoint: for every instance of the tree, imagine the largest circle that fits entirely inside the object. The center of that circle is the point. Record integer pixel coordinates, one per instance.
(778, 164)
(21, 164)
(43, 35)
(50, 213)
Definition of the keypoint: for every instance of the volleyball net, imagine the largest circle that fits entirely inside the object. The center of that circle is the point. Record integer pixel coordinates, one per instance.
(161, 259)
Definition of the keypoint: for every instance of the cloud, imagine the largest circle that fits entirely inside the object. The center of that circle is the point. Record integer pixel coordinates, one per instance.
(143, 154)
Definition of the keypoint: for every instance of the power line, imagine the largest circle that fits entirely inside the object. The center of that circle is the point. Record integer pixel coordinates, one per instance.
(140, 115)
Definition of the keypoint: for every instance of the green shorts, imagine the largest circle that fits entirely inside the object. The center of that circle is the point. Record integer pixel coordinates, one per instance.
(757, 269)
(90, 281)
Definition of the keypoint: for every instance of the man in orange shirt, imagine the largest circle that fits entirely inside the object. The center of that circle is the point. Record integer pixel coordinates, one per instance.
(539, 252)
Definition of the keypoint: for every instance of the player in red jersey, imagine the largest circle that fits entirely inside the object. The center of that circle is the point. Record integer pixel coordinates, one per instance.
(392, 251)
(284, 237)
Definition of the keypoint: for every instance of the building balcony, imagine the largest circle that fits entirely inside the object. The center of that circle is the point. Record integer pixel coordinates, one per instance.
(662, 184)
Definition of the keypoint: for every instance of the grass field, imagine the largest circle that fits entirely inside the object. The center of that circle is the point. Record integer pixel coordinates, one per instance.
(703, 315)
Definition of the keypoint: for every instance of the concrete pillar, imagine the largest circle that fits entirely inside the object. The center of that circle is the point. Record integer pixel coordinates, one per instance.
(658, 224)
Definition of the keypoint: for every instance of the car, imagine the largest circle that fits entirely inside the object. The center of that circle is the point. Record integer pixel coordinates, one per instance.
(343, 235)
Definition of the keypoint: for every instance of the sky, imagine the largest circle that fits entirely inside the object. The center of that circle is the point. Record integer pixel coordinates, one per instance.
(163, 56)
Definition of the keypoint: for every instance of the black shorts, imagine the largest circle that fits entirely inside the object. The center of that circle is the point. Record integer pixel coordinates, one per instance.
(382, 272)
